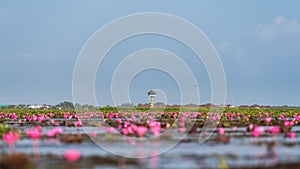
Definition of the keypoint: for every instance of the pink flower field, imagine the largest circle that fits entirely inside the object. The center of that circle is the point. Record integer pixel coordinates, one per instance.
(95, 139)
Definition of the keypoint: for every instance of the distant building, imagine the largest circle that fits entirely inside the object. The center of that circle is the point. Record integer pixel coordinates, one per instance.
(243, 106)
(227, 106)
(256, 106)
(38, 106)
(151, 95)
(4, 105)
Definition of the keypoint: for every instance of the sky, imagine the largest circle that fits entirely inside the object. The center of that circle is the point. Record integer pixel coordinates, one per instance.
(257, 42)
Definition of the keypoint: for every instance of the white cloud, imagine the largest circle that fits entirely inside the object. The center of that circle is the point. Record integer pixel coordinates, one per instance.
(280, 26)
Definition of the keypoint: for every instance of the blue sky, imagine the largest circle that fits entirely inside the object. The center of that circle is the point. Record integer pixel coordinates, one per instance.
(257, 41)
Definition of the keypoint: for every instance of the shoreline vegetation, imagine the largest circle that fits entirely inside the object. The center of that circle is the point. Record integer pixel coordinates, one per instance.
(67, 106)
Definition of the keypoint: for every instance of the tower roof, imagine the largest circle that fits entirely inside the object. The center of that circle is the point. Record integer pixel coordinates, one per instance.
(151, 92)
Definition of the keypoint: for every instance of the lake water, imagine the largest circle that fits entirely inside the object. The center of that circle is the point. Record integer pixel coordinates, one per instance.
(242, 150)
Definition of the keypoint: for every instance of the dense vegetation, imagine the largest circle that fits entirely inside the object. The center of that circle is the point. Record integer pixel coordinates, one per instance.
(245, 111)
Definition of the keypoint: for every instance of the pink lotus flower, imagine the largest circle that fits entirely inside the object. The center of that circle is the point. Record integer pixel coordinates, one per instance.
(92, 134)
(234, 128)
(40, 119)
(130, 129)
(77, 123)
(290, 134)
(119, 121)
(181, 124)
(257, 131)
(182, 119)
(181, 130)
(34, 133)
(50, 133)
(52, 121)
(14, 116)
(155, 127)
(268, 119)
(274, 130)
(110, 116)
(213, 118)
(65, 116)
(101, 127)
(141, 131)
(221, 131)
(110, 130)
(250, 127)
(286, 123)
(126, 123)
(124, 131)
(254, 133)
(297, 117)
(34, 118)
(54, 132)
(72, 155)
(10, 138)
